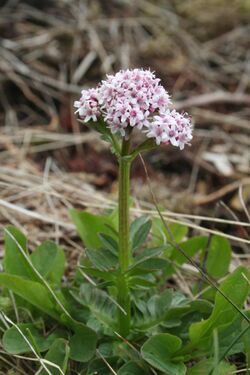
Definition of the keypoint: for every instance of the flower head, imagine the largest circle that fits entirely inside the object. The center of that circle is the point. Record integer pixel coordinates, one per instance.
(135, 99)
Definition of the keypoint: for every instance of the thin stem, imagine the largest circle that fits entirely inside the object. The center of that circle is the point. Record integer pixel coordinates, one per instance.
(124, 246)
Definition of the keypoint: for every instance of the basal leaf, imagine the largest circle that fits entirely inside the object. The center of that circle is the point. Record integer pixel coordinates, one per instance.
(15, 262)
(159, 351)
(236, 287)
(59, 355)
(14, 343)
(31, 291)
(82, 343)
(190, 247)
(49, 260)
(219, 257)
(161, 235)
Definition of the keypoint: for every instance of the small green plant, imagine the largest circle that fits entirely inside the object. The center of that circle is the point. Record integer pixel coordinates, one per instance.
(119, 315)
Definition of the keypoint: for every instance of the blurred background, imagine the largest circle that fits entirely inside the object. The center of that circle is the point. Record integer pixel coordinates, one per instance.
(51, 49)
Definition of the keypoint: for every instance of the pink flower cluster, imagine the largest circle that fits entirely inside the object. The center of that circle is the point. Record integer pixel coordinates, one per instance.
(88, 105)
(135, 98)
(171, 127)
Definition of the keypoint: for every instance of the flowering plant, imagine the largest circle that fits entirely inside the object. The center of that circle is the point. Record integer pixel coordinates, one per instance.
(119, 314)
(128, 100)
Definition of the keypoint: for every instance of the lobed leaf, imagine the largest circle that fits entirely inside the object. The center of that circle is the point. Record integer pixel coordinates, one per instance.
(109, 243)
(102, 259)
(139, 231)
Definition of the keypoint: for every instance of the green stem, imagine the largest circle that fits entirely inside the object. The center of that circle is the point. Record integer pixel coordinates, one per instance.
(124, 245)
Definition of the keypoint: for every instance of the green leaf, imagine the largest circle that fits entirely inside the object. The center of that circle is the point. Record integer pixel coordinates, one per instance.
(31, 291)
(59, 355)
(219, 257)
(159, 304)
(191, 247)
(99, 303)
(102, 259)
(161, 235)
(236, 287)
(186, 313)
(155, 311)
(231, 338)
(89, 226)
(178, 231)
(82, 343)
(14, 343)
(132, 368)
(159, 352)
(150, 253)
(15, 262)
(109, 243)
(139, 231)
(49, 260)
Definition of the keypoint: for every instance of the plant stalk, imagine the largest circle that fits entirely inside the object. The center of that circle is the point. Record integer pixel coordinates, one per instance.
(124, 243)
